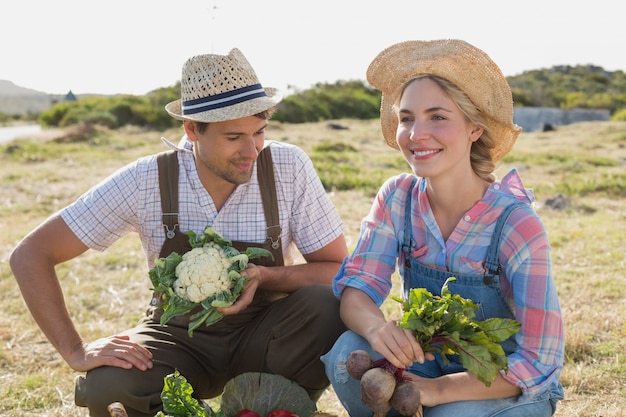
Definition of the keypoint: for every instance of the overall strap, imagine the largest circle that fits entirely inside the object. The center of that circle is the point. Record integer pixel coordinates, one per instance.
(168, 185)
(408, 242)
(267, 183)
(491, 263)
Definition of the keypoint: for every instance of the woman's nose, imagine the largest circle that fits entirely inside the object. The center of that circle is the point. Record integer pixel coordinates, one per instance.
(417, 131)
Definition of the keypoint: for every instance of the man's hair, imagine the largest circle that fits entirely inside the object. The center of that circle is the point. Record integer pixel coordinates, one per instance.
(265, 115)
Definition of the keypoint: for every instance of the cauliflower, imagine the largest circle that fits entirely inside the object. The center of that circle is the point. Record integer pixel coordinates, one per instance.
(203, 272)
(203, 279)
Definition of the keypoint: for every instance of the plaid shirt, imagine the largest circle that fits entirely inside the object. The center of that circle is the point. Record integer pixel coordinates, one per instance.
(129, 201)
(526, 278)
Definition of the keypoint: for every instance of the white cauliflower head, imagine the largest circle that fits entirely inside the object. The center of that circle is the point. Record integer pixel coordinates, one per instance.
(202, 273)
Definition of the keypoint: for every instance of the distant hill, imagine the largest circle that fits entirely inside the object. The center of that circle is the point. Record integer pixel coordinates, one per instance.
(17, 100)
(8, 88)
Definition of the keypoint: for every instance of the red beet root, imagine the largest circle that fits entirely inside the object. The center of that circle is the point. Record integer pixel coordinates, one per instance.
(357, 363)
(406, 399)
(377, 387)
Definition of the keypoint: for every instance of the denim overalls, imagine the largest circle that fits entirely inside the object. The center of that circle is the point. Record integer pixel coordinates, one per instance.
(484, 291)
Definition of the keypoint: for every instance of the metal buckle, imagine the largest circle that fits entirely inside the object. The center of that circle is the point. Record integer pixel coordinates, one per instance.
(170, 233)
(275, 241)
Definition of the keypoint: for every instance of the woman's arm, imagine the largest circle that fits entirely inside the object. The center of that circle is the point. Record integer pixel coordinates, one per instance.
(461, 386)
(360, 314)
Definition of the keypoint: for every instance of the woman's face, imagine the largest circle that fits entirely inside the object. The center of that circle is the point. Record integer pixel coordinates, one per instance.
(433, 134)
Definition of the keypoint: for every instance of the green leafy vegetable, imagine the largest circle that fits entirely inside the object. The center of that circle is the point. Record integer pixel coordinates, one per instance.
(445, 325)
(247, 394)
(203, 279)
(177, 399)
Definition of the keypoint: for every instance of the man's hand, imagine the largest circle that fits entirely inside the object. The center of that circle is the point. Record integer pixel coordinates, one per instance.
(253, 273)
(110, 351)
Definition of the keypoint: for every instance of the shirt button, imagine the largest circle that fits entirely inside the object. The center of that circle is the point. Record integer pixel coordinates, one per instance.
(467, 218)
(496, 186)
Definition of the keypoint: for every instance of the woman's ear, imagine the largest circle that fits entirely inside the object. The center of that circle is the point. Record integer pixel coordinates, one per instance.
(476, 133)
(190, 130)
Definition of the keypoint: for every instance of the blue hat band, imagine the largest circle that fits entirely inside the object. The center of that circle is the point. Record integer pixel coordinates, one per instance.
(218, 101)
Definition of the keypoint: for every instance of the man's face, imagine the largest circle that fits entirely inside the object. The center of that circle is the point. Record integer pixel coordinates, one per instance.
(227, 150)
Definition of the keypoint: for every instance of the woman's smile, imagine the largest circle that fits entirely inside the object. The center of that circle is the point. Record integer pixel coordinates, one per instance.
(425, 153)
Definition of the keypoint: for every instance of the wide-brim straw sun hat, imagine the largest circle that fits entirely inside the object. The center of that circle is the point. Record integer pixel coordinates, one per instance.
(216, 88)
(459, 62)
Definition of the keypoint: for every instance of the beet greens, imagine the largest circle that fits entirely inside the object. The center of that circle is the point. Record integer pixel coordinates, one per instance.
(444, 324)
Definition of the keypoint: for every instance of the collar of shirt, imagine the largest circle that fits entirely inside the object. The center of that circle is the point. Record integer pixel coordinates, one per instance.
(512, 185)
(184, 145)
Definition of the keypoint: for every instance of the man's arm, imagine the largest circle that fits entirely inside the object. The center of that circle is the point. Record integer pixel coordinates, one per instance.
(33, 264)
(320, 268)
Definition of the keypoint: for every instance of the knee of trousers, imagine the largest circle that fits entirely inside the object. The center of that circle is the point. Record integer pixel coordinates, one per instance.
(316, 321)
(335, 360)
(322, 307)
(139, 391)
(346, 388)
(299, 341)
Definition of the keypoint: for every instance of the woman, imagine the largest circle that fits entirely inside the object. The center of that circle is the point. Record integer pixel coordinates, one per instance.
(447, 107)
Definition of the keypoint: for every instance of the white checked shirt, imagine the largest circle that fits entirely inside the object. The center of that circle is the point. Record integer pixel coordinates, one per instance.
(129, 201)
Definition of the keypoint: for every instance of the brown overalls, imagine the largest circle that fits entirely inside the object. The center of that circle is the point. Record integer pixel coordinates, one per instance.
(283, 335)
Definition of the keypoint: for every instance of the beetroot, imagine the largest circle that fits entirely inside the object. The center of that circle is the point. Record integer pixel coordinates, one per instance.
(357, 362)
(377, 386)
(406, 399)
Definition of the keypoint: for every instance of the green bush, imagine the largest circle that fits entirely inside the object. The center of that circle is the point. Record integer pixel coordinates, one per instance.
(619, 115)
(325, 101)
(560, 86)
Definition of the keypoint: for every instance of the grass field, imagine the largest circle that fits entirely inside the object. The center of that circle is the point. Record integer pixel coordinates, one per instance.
(583, 166)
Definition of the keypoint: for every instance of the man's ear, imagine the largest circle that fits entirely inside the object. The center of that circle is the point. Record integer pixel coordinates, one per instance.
(190, 130)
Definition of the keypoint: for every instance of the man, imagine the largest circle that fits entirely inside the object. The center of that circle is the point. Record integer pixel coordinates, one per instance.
(225, 111)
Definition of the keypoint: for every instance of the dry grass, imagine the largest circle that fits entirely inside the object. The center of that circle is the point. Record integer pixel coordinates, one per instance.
(107, 292)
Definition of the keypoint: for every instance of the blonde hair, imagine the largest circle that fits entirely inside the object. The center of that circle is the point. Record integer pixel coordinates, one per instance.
(481, 158)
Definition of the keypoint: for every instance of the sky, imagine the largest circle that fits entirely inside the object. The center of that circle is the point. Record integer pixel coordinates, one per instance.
(136, 46)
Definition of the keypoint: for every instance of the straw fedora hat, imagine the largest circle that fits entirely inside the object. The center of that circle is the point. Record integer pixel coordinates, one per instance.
(215, 88)
(466, 66)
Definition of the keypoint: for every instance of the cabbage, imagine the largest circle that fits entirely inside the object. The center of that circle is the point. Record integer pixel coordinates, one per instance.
(262, 393)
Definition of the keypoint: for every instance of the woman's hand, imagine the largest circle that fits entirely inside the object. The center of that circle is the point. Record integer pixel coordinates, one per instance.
(399, 346)
(460, 386)
(428, 388)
